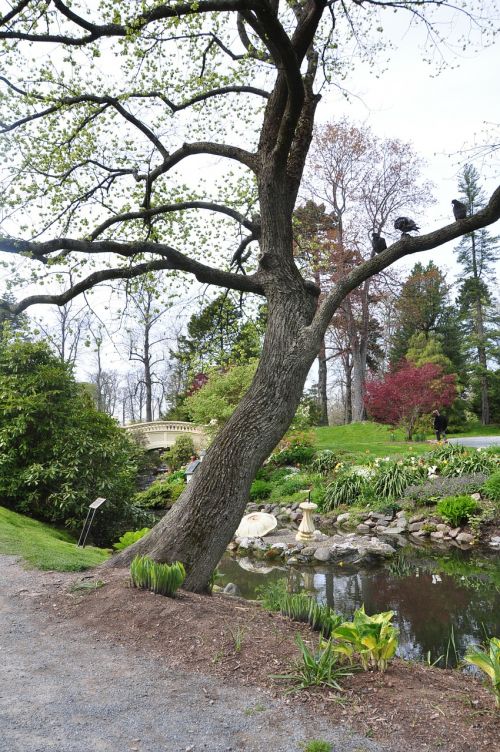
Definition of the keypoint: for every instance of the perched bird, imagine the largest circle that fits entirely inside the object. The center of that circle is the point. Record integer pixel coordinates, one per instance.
(405, 224)
(378, 243)
(459, 209)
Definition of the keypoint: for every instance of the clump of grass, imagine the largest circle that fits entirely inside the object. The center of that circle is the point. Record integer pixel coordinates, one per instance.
(317, 745)
(321, 669)
(163, 579)
(300, 607)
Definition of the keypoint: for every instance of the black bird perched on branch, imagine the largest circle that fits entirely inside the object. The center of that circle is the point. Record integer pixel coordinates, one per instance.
(378, 243)
(459, 209)
(405, 225)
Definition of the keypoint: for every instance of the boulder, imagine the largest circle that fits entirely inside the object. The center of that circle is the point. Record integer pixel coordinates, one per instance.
(464, 538)
(232, 589)
(343, 518)
(322, 554)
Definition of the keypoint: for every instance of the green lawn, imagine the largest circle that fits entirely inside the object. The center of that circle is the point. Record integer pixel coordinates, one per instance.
(375, 440)
(368, 440)
(43, 546)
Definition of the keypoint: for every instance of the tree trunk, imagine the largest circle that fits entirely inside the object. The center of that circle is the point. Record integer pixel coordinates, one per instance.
(202, 522)
(322, 385)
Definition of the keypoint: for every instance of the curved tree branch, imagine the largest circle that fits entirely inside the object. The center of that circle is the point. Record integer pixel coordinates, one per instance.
(404, 247)
(169, 259)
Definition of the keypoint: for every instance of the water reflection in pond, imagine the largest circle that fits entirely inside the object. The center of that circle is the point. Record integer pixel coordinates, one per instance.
(434, 596)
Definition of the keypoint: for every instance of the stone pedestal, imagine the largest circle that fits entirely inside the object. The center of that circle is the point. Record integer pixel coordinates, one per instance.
(306, 527)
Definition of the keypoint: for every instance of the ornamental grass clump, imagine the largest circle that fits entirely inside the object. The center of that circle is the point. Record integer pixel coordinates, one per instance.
(321, 669)
(392, 479)
(345, 489)
(163, 579)
(489, 662)
(373, 639)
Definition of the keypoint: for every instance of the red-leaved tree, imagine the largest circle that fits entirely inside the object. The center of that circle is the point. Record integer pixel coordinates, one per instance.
(403, 396)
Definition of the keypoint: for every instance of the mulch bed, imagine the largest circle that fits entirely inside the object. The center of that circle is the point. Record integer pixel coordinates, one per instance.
(411, 707)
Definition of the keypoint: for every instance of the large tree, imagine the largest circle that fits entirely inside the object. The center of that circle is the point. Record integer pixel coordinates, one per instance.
(93, 154)
(477, 252)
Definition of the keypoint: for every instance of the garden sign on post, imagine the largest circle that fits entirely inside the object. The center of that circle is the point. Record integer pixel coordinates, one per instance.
(88, 522)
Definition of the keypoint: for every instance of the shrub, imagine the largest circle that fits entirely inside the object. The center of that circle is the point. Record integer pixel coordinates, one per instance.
(180, 453)
(318, 745)
(163, 579)
(392, 479)
(491, 488)
(289, 485)
(345, 489)
(456, 509)
(437, 488)
(296, 447)
(131, 536)
(162, 493)
(260, 489)
(58, 452)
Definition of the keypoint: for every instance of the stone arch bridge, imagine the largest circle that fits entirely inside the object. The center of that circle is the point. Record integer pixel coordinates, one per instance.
(162, 434)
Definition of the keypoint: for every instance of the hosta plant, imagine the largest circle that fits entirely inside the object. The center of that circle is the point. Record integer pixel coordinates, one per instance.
(373, 639)
(131, 536)
(163, 579)
(487, 660)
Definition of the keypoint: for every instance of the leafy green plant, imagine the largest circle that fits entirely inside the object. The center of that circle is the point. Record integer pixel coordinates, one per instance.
(345, 489)
(317, 745)
(321, 669)
(456, 509)
(325, 462)
(180, 453)
(491, 488)
(58, 452)
(373, 638)
(488, 660)
(392, 479)
(164, 579)
(260, 489)
(131, 536)
(295, 448)
(163, 492)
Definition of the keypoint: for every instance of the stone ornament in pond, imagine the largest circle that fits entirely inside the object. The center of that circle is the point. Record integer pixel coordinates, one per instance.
(256, 525)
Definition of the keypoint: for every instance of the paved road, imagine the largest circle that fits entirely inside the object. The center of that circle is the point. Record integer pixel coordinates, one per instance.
(61, 691)
(477, 441)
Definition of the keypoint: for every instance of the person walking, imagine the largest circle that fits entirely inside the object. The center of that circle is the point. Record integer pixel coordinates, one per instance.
(440, 425)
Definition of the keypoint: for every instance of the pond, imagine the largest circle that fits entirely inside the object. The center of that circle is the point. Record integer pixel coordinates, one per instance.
(442, 601)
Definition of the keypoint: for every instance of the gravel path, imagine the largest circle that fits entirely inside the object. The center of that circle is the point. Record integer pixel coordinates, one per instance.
(65, 692)
(477, 442)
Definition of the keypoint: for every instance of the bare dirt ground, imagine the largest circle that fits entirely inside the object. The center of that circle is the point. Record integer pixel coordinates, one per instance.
(118, 668)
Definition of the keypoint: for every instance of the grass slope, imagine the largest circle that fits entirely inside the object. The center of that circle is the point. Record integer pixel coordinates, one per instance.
(44, 547)
(367, 440)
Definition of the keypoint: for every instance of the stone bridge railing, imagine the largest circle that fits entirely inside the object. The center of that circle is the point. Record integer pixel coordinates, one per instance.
(161, 434)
